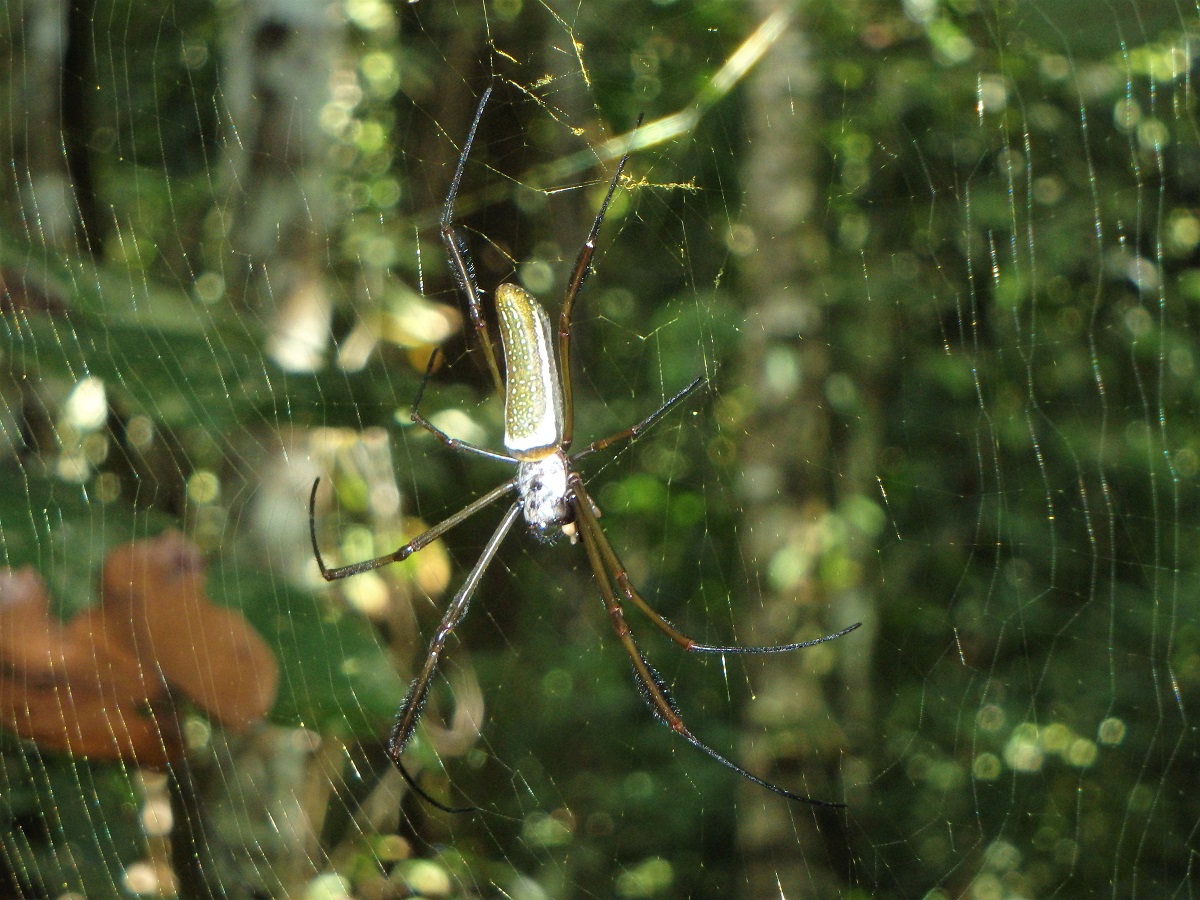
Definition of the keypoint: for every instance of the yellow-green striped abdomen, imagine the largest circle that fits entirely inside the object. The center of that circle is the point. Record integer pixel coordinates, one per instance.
(533, 395)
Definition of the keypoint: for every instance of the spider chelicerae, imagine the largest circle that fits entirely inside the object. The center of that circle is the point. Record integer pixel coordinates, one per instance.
(539, 427)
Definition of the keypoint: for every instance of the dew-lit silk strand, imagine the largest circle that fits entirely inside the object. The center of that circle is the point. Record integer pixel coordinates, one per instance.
(533, 396)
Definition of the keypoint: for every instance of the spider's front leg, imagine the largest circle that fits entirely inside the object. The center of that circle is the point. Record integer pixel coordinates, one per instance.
(458, 254)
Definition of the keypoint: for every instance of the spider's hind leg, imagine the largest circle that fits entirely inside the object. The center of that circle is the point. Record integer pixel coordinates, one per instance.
(649, 681)
(613, 565)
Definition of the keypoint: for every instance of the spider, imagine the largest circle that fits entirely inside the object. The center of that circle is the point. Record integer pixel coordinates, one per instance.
(550, 493)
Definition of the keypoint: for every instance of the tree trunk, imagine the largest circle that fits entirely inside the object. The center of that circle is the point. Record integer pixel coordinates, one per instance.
(283, 58)
(43, 181)
(795, 483)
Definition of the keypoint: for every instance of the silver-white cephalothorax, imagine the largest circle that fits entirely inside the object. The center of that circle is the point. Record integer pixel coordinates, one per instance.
(545, 499)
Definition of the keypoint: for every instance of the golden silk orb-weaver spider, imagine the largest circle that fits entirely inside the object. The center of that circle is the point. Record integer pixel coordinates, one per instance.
(538, 430)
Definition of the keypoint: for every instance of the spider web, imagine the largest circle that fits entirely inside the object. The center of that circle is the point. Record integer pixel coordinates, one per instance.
(936, 261)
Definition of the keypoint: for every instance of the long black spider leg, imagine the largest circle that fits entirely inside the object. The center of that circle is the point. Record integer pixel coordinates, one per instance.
(453, 443)
(649, 681)
(460, 257)
(400, 553)
(418, 692)
(614, 565)
(421, 792)
(583, 266)
(632, 434)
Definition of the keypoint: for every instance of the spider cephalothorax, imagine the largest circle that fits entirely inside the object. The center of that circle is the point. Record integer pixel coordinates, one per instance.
(542, 486)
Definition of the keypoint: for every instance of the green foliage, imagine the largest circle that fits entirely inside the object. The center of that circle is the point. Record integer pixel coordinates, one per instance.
(1003, 258)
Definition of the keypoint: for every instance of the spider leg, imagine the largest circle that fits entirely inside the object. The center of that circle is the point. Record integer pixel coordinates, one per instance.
(421, 792)
(459, 256)
(421, 540)
(631, 434)
(583, 266)
(649, 681)
(453, 443)
(590, 522)
(418, 692)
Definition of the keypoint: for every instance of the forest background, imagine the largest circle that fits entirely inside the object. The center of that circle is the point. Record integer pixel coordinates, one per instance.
(938, 260)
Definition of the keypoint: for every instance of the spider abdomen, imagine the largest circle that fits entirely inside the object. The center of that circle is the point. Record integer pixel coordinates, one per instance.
(533, 408)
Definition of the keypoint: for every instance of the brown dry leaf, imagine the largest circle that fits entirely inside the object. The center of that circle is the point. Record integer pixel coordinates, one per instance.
(68, 690)
(154, 601)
